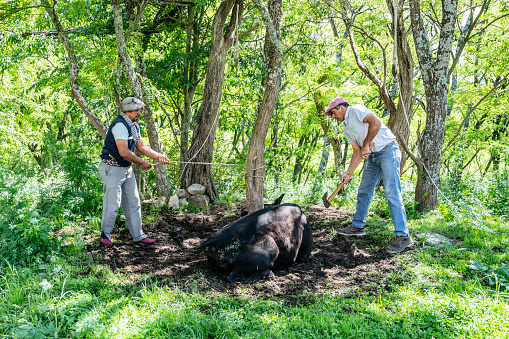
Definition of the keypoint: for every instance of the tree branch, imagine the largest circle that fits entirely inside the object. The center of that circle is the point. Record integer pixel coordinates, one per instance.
(473, 109)
(412, 156)
(254, 28)
(122, 49)
(312, 90)
(271, 30)
(74, 70)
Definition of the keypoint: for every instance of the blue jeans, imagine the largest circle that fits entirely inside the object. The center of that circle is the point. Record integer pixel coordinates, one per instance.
(382, 165)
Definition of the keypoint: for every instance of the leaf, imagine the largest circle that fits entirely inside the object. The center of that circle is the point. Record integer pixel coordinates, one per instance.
(46, 285)
(503, 271)
(445, 212)
(57, 269)
(477, 266)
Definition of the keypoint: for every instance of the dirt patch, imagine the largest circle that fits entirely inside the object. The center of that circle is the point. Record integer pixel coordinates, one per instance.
(338, 266)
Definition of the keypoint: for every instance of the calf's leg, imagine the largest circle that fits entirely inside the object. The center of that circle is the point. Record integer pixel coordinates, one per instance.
(255, 260)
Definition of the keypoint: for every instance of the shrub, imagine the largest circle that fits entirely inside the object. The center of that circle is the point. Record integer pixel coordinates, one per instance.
(25, 235)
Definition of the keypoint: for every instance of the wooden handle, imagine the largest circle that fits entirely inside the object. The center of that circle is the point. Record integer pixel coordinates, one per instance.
(349, 173)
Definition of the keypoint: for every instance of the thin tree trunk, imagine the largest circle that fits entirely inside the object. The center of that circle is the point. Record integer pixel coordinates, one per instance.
(299, 158)
(333, 139)
(255, 171)
(400, 114)
(307, 157)
(190, 81)
(434, 72)
(202, 145)
(162, 183)
(74, 71)
(399, 121)
(325, 157)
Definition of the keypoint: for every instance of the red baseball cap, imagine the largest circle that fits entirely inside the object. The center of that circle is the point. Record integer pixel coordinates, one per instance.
(336, 101)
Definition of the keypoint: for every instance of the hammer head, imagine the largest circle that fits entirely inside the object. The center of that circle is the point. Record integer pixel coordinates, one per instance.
(326, 201)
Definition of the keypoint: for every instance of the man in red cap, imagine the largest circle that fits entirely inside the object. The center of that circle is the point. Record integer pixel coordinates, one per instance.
(361, 127)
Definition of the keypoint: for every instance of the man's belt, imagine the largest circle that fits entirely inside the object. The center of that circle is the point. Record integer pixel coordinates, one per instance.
(392, 142)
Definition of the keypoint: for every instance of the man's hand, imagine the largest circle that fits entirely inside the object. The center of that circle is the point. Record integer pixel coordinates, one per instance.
(163, 159)
(346, 178)
(365, 151)
(146, 164)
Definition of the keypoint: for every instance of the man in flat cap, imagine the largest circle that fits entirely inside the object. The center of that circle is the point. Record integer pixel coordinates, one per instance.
(361, 127)
(119, 183)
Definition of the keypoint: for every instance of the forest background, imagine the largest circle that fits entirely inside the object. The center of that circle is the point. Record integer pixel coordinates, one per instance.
(246, 83)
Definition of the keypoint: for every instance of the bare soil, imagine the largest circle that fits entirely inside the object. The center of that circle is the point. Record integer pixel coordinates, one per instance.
(338, 265)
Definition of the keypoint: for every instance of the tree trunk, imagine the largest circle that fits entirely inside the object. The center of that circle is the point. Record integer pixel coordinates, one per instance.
(325, 157)
(74, 71)
(400, 114)
(202, 144)
(255, 171)
(190, 81)
(333, 139)
(162, 183)
(399, 121)
(434, 75)
(299, 158)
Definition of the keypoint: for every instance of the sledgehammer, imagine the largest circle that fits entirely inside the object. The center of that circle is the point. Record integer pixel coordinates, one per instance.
(327, 201)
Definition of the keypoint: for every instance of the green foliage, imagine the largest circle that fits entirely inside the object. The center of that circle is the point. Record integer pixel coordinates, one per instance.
(35, 207)
(497, 199)
(445, 212)
(497, 278)
(26, 234)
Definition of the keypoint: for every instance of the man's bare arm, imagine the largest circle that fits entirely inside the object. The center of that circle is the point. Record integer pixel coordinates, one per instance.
(128, 155)
(356, 155)
(149, 152)
(374, 126)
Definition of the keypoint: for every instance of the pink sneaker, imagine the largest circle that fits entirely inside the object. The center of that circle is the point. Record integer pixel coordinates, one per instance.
(145, 241)
(105, 241)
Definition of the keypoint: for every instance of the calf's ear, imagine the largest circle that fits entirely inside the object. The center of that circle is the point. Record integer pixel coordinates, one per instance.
(278, 200)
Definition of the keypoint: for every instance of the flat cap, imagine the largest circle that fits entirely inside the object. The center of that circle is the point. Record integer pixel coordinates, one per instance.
(131, 104)
(333, 104)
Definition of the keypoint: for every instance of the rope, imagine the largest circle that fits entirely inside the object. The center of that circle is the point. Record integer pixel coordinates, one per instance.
(201, 163)
(204, 142)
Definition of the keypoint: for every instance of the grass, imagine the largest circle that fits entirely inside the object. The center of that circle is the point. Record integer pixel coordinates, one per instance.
(436, 295)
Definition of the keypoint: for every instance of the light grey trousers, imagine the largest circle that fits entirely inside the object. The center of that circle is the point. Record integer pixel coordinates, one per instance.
(119, 186)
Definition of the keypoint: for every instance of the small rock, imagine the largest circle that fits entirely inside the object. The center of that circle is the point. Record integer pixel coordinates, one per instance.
(159, 203)
(436, 239)
(183, 194)
(233, 208)
(174, 202)
(199, 200)
(144, 196)
(163, 199)
(196, 189)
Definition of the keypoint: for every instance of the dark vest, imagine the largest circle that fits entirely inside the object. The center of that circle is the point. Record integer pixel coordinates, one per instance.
(110, 149)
